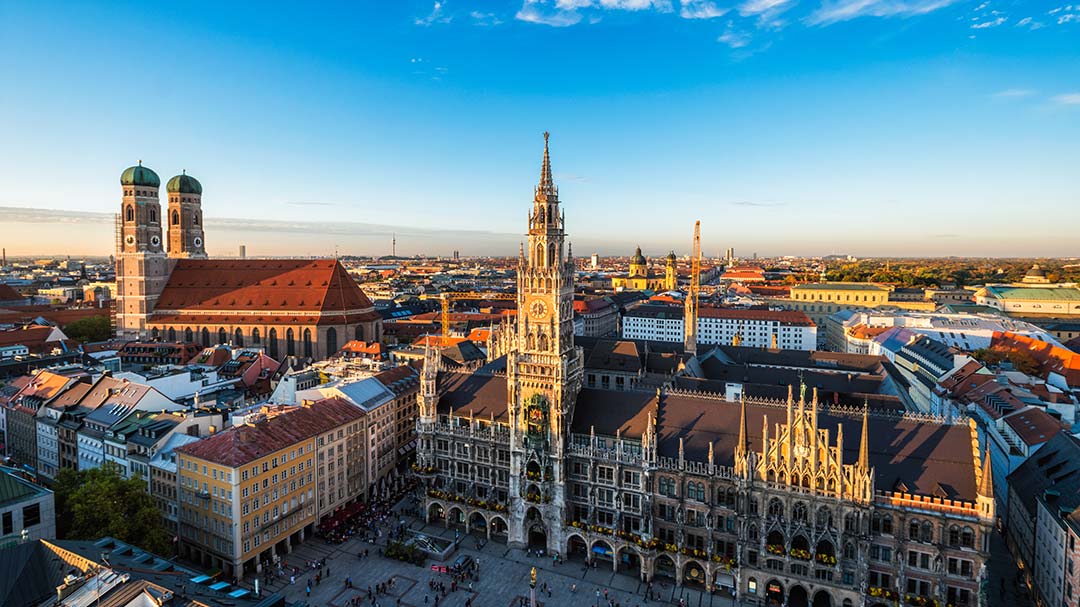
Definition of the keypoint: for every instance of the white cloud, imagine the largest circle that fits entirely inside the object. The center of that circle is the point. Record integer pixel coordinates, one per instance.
(1067, 99)
(1013, 93)
(1030, 23)
(734, 38)
(845, 10)
(701, 9)
(480, 18)
(988, 24)
(764, 7)
(621, 5)
(532, 13)
(435, 16)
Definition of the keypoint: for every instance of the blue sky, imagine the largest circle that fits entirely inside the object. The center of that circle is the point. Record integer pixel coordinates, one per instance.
(891, 127)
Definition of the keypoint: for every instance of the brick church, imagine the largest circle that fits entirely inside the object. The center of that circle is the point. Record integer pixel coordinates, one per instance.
(290, 307)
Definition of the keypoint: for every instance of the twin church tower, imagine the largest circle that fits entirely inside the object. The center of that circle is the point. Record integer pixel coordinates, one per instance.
(142, 264)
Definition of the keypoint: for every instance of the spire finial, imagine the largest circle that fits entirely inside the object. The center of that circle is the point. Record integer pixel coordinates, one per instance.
(864, 445)
(547, 185)
(183, 171)
(986, 483)
(140, 162)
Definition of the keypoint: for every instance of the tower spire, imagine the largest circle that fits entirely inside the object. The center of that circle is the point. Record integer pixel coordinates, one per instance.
(986, 483)
(547, 184)
(864, 444)
(741, 447)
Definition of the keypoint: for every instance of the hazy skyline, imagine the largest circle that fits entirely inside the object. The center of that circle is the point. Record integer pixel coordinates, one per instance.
(877, 127)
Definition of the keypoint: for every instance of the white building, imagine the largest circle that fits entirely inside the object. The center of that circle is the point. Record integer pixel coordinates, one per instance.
(1031, 300)
(27, 511)
(789, 330)
(853, 331)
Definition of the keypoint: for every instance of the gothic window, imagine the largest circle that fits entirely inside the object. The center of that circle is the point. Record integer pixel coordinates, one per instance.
(195, 219)
(331, 340)
(548, 284)
(175, 218)
(290, 343)
(360, 332)
(776, 508)
(153, 215)
(851, 523)
(927, 532)
(206, 337)
(255, 336)
(551, 256)
(154, 334)
(530, 342)
(272, 336)
(542, 342)
(913, 530)
(539, 257)
(172, 334)
(824, 518)
(307, 343)
(667, 486)
(752, 533)
(799, 513)
(967, 538)
(849, 551)
(129, 214)
(238, 338)
(695, 491)
(187, 335)
(806, 481)
(770, 475)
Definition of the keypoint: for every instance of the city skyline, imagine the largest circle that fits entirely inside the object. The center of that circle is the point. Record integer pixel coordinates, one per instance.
(785, 128)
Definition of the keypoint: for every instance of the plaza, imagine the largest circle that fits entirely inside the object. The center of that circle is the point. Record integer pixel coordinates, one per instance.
(503, 577)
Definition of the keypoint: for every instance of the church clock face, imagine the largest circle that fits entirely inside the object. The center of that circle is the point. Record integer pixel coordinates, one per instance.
(538, 309)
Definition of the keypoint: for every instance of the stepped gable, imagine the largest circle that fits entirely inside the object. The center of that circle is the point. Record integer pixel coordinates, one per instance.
(224, 290)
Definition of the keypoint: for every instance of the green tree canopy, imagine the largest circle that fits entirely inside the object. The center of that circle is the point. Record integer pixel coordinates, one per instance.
(94, 503)
(94, 328)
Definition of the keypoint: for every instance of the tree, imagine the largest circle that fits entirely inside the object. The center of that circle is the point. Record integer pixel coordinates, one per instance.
(93, 328)
(98, 502)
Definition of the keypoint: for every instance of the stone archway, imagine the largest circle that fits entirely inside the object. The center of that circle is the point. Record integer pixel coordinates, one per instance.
(576, 548)
(478, 523)
(822, 599)
(535, 530)
(798, 597)
(498, 529)
(455, 517)
(693, 574)
(435, 512)
(774, 592)
(629, 560)
(664, 566)
(602, 551)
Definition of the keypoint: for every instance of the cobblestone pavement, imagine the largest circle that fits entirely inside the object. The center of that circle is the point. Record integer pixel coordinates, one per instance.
(504, 578)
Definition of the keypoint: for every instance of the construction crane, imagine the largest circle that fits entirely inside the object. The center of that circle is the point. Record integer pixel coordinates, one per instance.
(445, 300)
(691, 308)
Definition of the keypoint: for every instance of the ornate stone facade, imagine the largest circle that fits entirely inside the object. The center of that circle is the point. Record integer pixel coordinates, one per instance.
(764, 498)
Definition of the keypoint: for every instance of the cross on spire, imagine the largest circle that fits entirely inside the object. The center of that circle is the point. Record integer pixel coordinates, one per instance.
(547, 184)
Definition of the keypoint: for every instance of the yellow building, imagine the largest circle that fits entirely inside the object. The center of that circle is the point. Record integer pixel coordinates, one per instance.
(639, 278)
(819, 300)
(248, 494)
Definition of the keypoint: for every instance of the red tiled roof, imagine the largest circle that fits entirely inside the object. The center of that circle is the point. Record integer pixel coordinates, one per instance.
(1033, 426)
(793, 317)
(218, 289)
(438, 341)
(1051, 358)
(242, 444)
(9, 294)
(356, 346)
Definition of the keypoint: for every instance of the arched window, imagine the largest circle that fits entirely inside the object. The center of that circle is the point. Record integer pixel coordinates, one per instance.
(954, 536)
(255, 337)
(238, 338)
(154, 334)
(307, 343)
(967, 538)
(153, 215)
(799, 513)
(175, 218)
(222, 336)
(129, 214)
(849, 551)
(776, 508)
(360, 332)
(271, 338)
(172, 334)
(538, 259)
(551, 256)
(542, 342)
(206, 337)
(824, 518)
(195, 219)
(927, 532)
(290, 343)
(188, 337)
(331, 340)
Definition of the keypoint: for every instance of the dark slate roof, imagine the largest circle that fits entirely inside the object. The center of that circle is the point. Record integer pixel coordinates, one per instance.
(929, 459)
(479, 394)
(1056, 465)
(29, 574)
(610, 355)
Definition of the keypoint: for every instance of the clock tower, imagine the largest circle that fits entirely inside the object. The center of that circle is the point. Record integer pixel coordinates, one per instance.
(544, 371)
